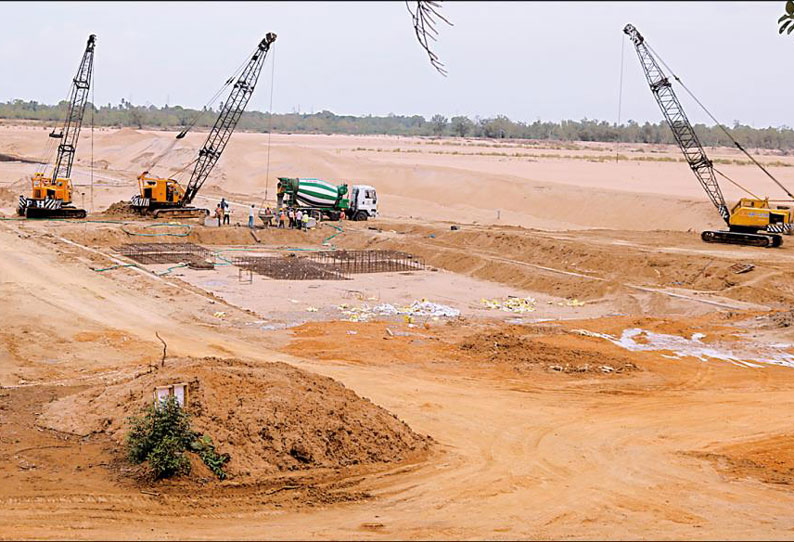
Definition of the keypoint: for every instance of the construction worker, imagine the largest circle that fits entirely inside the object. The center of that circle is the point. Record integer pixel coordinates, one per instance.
(305, 221)
(299, 219)
(282, 219)
(219, 214)
(251, 217)
(226, 213)
(292, 218)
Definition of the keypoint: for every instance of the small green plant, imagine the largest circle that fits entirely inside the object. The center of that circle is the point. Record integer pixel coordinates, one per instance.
(163, 435)
(206, 450)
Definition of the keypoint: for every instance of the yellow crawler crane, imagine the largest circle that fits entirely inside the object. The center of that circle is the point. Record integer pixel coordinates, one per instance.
(752, 221)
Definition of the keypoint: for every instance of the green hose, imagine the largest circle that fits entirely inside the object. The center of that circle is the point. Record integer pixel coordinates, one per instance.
(338, 231)
(167, 271)
(116, 267)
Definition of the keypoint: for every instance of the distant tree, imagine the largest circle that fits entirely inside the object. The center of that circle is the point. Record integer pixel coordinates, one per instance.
(439, 123)
(175, 117)
(461, 126)
(500, 127)
(135, 115)
(787, 20)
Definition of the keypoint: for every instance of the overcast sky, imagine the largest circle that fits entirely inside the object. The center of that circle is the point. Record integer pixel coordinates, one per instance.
(529, 61)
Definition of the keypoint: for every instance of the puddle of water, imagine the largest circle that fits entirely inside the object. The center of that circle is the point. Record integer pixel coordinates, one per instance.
(742, 354)
(281, 325)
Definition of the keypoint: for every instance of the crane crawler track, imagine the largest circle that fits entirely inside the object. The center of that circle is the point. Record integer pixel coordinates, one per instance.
(63, 212)
(181, 212)
(745, 239)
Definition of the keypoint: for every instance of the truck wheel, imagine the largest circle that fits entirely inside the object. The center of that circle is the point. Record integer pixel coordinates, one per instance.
(360, 215)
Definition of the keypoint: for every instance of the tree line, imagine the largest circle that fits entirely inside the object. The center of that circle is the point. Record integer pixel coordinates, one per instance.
(176, 117)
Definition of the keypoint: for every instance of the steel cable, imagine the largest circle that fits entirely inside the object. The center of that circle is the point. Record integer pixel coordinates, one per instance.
(718, 123)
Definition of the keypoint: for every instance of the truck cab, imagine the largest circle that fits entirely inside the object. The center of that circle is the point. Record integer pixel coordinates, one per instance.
(363, 202)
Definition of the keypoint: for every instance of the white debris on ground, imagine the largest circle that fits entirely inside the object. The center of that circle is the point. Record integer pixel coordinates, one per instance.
(521, 305)
(568, 303)
(419, 308)
(516, 305)
(742, 354)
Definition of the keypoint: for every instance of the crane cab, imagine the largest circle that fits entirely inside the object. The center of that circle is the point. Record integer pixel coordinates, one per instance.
(49, 199)
(751, 215)
(163, 198)
(45, 188)
(158, 191)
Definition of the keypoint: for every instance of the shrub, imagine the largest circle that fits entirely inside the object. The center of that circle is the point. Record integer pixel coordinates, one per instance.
(206, 450)
(167, 458)
(162, 436)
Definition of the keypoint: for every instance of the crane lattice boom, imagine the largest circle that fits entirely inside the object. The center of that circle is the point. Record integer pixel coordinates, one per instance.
(74, 119)
(682, 129)
(227, 120)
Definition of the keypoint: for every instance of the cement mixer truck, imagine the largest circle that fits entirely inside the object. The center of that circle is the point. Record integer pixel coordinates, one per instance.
(323, 200)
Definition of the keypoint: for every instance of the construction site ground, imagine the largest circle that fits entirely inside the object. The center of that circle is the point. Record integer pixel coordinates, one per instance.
(643, 392)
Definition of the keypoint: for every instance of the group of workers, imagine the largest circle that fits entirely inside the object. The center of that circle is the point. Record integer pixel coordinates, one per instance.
(284, 217)
(223, 213)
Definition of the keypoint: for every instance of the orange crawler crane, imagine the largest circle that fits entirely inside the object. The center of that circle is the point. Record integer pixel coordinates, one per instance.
(51, 196)
(165, 196)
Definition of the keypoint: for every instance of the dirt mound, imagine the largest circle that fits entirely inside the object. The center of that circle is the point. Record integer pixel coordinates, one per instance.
(8, 195)
(523, 353)
(120, 209)
(14, 158)
(270, 419)
(770, 460)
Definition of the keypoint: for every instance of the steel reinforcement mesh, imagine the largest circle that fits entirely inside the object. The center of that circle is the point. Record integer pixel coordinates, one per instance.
(154, 253)
(289, 268)
(368, 261)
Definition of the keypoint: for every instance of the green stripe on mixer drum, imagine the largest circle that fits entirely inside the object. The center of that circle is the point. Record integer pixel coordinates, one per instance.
(318, 186)
(322, 197)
